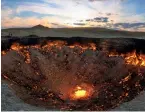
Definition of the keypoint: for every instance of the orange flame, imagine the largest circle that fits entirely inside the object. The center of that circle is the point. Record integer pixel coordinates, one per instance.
(81, 92)
(16, 47)
(131, 58)
(135, 59)
(91, 46)
(3, 52)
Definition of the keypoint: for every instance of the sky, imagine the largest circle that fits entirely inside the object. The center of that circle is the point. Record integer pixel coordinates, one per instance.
(115, 14)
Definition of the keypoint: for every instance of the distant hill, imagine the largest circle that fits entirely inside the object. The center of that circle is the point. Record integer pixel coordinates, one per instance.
(40, 27)
(43, 31)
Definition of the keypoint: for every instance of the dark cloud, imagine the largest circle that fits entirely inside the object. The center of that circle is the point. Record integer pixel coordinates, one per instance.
(108, 14)
(54, 24)
(80, 20)
(80, 24)
(99, 19)
(89, 19)
(129, 25)
(57, 25)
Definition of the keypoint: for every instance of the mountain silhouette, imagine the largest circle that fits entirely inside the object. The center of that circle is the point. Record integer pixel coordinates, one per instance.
(40, 26)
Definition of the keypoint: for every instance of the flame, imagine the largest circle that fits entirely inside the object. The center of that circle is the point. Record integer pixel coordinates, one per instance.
(83, 91)
(130, 58)
(79, 93)
(135, 59)
(16, 46)
(126, 78)
(57, 44)
(3, 52)
(91, 46)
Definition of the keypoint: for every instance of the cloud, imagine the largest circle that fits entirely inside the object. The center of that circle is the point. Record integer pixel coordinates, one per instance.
(55, 13)
(101, 19)
(80, 24)
(72, 11)
(129, 25)
(20, 22)
(6, 12)
(98, 19)
(59, 25)
(32, 21)
(108, 14)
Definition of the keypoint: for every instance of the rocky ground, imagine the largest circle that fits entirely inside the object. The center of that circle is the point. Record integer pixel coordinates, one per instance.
(10, 102)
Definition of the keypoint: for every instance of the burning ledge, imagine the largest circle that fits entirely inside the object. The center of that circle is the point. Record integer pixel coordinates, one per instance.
(74, 73)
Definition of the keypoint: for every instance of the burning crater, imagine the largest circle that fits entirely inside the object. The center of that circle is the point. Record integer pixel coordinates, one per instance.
(74, 73)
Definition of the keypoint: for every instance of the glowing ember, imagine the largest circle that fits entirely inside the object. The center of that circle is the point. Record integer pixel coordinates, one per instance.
(16, 46)
(3, 52)
(80, 93)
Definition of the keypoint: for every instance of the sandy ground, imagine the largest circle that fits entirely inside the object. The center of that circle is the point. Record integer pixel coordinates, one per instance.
(10, 102)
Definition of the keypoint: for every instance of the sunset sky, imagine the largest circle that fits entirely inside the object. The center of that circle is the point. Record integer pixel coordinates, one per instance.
(116, 14)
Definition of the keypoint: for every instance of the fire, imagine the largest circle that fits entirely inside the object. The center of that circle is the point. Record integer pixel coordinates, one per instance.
(81, 92)
(16, 46)
(131, 58)
(57, 44)
(91, 46)
(135, 59)
(3, 52)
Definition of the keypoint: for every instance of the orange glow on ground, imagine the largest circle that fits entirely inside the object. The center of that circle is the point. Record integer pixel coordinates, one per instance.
(81, 92)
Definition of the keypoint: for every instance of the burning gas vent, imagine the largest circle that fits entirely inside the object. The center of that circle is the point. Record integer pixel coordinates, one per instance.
(81, 74)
